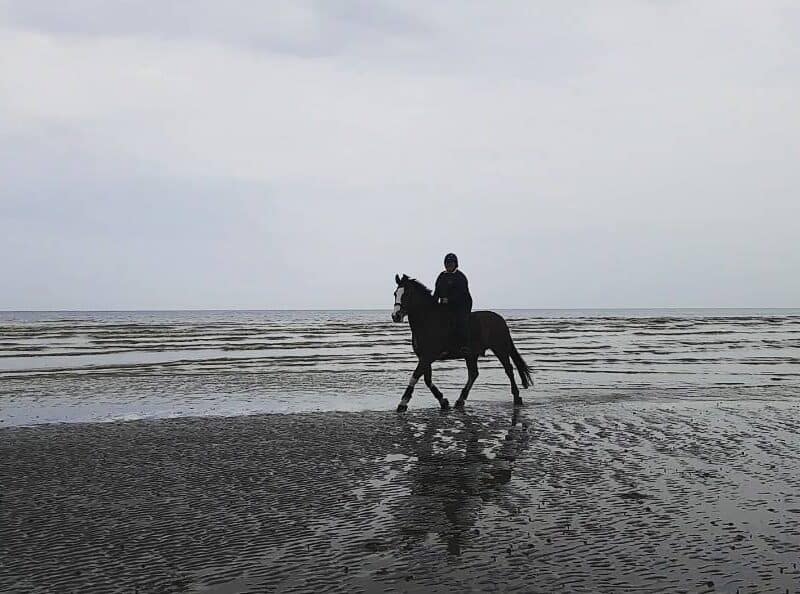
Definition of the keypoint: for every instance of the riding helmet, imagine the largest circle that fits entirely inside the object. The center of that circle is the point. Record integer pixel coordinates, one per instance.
(451, 258)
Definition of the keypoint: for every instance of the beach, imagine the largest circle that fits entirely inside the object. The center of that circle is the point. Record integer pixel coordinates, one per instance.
(569, 496)
(425, 297)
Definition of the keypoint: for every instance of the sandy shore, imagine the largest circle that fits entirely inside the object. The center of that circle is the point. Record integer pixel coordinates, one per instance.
(571, 497)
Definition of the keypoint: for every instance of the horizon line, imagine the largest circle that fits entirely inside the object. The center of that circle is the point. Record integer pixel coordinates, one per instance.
(121, 310)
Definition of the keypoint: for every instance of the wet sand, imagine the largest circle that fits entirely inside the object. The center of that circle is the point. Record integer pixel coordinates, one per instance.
(573, 497)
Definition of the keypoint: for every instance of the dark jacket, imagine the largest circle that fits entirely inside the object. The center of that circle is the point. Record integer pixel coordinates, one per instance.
(453, 286)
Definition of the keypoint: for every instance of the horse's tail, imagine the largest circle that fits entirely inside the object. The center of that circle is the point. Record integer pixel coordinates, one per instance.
(522, 367)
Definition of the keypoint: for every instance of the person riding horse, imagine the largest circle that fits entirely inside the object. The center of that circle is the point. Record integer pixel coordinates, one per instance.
(452, 291)
(430, 325)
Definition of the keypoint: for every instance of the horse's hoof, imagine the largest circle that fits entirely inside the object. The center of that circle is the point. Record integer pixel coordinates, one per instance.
(402, 407)
(445, 404)
(459, 404)
(517, 401)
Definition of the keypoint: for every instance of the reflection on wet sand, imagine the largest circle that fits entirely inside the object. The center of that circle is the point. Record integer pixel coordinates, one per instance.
(456, 466)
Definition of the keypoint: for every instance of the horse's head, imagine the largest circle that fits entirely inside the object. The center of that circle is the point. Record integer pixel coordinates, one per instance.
(409, 297)
(401, 298)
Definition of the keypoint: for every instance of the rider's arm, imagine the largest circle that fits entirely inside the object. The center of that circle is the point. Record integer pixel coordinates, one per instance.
(437, 292)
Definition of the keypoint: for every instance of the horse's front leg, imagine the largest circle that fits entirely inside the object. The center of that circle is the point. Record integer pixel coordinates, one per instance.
(443, 402)
(403, 406)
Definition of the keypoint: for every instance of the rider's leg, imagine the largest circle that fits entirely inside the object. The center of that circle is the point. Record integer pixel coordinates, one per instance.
(462, 328)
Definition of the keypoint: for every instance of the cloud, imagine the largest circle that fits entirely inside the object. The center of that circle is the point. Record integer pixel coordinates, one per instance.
(308, 29)
(331, 145)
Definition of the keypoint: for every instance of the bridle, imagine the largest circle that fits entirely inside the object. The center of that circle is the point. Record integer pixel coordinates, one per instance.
(399, 311)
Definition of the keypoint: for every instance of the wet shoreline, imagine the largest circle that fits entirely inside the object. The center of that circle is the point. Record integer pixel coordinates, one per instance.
(101, 366)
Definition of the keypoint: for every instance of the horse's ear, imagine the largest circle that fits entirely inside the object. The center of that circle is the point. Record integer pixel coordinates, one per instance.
(397, 278)
(405, 277)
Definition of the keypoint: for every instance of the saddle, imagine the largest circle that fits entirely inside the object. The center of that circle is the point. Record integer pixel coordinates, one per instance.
(454, 349)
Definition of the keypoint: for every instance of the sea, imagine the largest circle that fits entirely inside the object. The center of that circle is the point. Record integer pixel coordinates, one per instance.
(95, 366)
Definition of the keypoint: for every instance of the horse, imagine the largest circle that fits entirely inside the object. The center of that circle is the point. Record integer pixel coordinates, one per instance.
(431, 329)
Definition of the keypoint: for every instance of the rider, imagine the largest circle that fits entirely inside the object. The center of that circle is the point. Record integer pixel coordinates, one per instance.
(452, 291)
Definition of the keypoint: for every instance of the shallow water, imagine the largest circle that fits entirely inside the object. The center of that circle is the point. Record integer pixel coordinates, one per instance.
(91, 366)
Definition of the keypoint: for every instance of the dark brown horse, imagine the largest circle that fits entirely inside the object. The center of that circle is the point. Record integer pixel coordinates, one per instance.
(431, 331)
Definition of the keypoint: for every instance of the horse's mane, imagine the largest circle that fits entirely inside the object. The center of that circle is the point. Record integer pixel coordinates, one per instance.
(421, 288)
(420, 285)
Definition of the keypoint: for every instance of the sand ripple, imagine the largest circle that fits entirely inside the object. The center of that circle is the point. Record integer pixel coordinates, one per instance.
(616, 497)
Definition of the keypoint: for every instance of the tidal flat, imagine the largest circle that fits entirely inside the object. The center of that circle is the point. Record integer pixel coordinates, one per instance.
(679, 496)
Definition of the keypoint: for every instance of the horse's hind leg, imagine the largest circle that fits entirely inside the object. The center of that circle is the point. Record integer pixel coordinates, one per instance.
(506, 362)
(443, 402)
(472, 375)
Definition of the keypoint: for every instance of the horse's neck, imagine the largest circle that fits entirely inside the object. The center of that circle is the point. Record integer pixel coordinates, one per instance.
(418, 318)
(415, 320)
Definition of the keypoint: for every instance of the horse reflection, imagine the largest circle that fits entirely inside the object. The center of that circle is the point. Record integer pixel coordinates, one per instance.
(461, 465)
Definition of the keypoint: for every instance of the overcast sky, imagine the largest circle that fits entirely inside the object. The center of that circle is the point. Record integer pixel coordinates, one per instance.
(267, 154)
